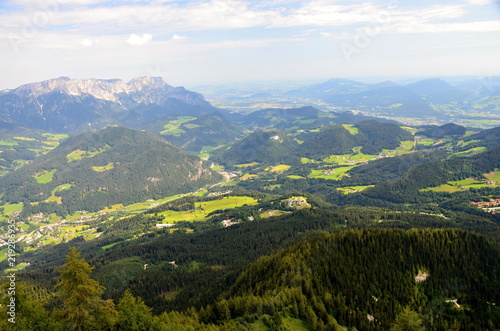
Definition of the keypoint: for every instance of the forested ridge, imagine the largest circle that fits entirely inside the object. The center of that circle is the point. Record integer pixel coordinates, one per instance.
(95, 170)
(369, 279)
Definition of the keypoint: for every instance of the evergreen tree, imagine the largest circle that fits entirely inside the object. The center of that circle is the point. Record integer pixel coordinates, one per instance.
(407, 320)
(133, 314)
(82, 307)
(26, 314)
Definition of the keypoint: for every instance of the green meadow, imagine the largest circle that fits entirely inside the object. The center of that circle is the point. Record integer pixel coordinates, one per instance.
(172, 128)
(109, 166)
(280, 167)
(494, 176)
(79, 154)
(334, 173)
(353, 189)
(202, 209)
(44, 177)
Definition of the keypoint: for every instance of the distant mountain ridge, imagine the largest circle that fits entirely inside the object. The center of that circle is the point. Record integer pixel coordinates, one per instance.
(425, 98)
(64, 104)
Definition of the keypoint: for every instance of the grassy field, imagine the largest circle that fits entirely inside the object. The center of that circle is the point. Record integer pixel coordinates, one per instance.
(494, 176)
(305, 160)
(351, 128)
(353, 189)
(334, 174)
(201, 193)
(245, 165)
(202, 209)
(455, 186)
(204, 155)
(280, 167)
(295, 177)
(346, 159)
(79, 154)
(44, 177)
(109, 166)
(140, 206)
(25, 138)
(2, 254)
(247, 176)
(8, 143)
(466, 182)
(273, 213)
(472, 151)
(426, 141)
(172, 128)
(8, 208)
(53, 197)
(216, 167)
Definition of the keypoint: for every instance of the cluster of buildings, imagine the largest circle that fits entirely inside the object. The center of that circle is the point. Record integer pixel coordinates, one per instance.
(489, 206)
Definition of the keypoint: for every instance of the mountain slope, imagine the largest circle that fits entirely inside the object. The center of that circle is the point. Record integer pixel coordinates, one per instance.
(95, 170)
(263, 146)
(443, 130)
(206, 130)
(65, 104)
(337, 140)
(391, 100)
(437, 91)
(432, 174)
(307, 118)
(363, 279)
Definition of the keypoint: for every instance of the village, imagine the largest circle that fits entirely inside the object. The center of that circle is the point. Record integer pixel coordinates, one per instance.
(492, 206)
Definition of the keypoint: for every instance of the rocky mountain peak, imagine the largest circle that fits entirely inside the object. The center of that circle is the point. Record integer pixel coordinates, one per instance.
(104, 89)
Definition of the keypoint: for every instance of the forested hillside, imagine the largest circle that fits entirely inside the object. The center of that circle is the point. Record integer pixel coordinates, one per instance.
(368, 279)
(95, 170)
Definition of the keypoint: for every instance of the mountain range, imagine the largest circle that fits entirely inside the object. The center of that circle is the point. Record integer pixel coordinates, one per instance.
(65, 105)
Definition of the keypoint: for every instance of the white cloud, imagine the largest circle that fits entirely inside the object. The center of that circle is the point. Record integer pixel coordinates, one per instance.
(479, 2)
(164, 17)
(488, 26)
(178, 37)
(136, 40)
(86, 42)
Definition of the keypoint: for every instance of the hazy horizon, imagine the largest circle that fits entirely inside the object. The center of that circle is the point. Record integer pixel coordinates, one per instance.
(209, 42)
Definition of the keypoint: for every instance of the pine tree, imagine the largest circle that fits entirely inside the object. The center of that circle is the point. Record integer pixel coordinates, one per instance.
(133, 314)
(407, 320)
(29, 314)
(82, 307)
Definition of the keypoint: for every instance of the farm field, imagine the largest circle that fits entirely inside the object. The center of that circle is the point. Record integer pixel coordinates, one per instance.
(334, 174)
(349, 159)
(471, 151)
(280, 167)
(109, 166)
(172, 128)
(494, 176)
(79, 154)
(45, 176)
(202, 209)
(353, 189)
(455, 186)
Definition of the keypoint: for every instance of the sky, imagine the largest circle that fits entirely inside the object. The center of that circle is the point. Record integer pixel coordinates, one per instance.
(194, 42)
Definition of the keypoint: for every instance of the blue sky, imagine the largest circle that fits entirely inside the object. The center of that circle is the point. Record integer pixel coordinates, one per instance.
(214, 41)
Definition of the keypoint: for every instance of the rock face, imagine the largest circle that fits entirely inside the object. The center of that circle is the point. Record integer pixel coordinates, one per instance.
(64, 104)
